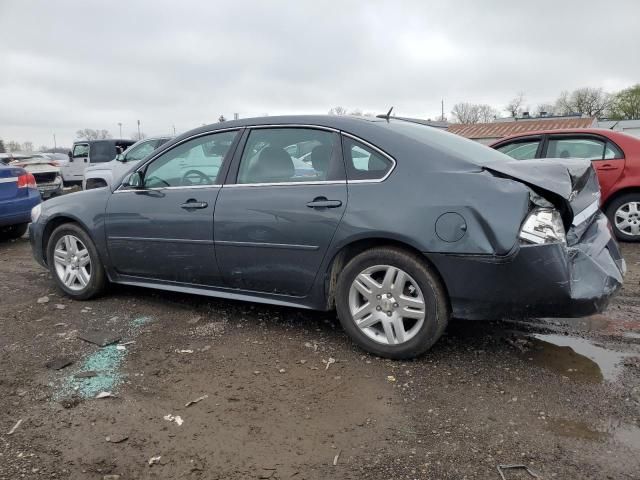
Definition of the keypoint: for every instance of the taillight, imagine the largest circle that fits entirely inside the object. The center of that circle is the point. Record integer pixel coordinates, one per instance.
(26, 180)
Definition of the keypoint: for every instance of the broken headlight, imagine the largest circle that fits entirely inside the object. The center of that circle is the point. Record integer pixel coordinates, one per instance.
(543, 225)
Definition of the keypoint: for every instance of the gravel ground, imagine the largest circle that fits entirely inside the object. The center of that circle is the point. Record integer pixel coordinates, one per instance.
(284, 394)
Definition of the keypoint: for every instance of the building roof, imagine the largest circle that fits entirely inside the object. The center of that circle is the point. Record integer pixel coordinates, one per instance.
(505, 129)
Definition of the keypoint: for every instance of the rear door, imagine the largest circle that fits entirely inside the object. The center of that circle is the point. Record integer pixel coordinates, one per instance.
(276, 216)
(606, 157)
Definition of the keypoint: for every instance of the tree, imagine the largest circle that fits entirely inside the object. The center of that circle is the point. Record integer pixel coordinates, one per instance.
(13, 146)
(91, 134)
(547, 108)
(356, 112)
(27, 146)
(592, 102)
(2, 148)
(138, 136)
(221, 119)
(626, 104)
(338, 111)
(514, 107)
(473, 113)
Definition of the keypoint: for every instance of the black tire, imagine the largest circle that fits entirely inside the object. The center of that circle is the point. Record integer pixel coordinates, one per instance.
(611, 210)
(97, 280)
(13, 231)
(435, 298)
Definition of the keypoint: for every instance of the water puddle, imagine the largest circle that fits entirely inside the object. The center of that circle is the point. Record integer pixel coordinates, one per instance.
(575, 357)
(622, 433)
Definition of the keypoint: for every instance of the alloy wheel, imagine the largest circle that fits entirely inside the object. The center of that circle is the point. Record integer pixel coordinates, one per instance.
(72, 262)
(627, 218)
(386, 304)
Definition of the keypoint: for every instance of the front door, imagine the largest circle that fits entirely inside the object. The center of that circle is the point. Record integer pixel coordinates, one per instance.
(164, 230)
(74, 169)
(275, 219)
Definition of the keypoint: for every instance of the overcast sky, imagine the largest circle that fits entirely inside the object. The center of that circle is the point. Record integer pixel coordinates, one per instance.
(91, 64)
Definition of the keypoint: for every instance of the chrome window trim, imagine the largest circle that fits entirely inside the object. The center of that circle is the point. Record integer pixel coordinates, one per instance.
(381, 152)
(197, 135)
(283, 125)
(159, 189)
(285, 184)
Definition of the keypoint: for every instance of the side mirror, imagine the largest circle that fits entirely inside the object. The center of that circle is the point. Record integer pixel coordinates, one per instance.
(135, 180)
(69, 154)
(120, 157)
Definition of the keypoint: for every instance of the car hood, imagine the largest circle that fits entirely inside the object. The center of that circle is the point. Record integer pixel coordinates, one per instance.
(571, 185)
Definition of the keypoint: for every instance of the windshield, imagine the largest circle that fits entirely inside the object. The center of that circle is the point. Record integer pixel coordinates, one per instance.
(456, 145)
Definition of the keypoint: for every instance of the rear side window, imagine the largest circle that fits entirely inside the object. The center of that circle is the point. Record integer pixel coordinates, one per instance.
(102, 151)
(364, 162)
(521, 150)
(587, 148)
(611, 152)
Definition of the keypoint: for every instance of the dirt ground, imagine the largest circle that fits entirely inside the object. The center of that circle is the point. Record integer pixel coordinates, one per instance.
(284, 394)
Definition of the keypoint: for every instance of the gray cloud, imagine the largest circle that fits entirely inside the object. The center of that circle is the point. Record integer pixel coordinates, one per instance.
(69, 65)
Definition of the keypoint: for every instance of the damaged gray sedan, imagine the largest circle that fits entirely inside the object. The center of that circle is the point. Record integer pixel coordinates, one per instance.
(396, 225)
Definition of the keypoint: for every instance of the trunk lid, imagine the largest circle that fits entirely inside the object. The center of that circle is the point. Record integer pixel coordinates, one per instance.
(9, 182)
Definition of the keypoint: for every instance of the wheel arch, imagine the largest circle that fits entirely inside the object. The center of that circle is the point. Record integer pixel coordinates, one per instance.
(356, 246)
(54, 223)
(618, 193)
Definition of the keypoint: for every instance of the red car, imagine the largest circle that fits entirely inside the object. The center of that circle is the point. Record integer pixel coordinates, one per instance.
(615, 157)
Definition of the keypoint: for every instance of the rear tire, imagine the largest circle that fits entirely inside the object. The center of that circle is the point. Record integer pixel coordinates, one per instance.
(13, 231)
(624, 215)
(74, 262)
(399, 301)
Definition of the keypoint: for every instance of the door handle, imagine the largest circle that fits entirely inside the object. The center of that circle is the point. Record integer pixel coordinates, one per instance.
(193, 204)
(322, 202)
(607, 166)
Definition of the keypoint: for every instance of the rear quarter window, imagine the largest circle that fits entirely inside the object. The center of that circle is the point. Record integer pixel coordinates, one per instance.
(364, 162)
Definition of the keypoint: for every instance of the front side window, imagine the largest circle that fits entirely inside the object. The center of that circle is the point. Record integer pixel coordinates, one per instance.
(196, 162)
(587, 148)
(81, 150)
(283, 155)
(521, 150)
(141, 151)
(363, 162)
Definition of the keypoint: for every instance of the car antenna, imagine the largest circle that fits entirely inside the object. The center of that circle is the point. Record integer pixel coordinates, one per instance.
(387, 116)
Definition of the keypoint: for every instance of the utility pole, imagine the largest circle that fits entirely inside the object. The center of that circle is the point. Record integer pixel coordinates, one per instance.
(120, 125)
(139, 137)
(442, 116)
(174, 130)
(55, 146)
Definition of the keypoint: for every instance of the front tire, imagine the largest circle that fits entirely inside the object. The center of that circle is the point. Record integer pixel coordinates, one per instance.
(74, 262)
(391, 303)
(13, 231)
(624, 216)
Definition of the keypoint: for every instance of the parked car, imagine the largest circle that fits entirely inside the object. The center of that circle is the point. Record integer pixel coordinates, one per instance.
(430, 226)
(18, 195)
(45, 171)
(615, 156)
(89, 152)
(102, 174)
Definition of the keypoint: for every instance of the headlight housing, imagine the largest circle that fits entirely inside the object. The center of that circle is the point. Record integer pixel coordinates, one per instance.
(35, 213)
(543, 225)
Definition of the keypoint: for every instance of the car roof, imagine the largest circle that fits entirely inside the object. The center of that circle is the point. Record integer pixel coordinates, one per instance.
(605, 132)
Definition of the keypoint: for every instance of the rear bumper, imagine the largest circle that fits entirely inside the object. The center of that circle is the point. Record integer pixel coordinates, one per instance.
(550, 280)
(16, 211)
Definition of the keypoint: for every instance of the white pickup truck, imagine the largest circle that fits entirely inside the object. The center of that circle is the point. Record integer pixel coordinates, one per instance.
(104, 174)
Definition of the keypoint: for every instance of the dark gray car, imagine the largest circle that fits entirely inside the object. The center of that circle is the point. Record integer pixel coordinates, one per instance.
(397, 225)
